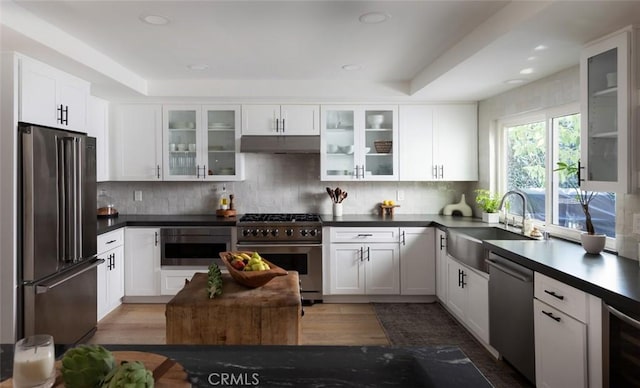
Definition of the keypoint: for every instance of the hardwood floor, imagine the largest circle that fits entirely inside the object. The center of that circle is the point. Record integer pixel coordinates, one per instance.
(322, 324)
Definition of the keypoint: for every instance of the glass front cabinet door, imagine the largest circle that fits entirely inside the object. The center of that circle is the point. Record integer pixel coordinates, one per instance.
(606, 139)
(359, 143)
(202, 143)
(221, 143)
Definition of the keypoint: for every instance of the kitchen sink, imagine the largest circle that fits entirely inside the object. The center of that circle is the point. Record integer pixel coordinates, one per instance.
(465, 244)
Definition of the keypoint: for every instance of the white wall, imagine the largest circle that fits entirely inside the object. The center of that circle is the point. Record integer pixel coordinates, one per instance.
(281, 183)
(8, 243)
(558, 89)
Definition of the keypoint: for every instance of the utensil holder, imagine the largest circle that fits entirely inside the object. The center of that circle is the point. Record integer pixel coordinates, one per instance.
(337, 210)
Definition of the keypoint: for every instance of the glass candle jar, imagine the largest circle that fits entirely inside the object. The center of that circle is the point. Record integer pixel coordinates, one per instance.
(34, 361)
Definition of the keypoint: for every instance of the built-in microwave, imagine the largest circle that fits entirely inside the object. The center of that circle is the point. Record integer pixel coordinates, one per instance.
(195, 246)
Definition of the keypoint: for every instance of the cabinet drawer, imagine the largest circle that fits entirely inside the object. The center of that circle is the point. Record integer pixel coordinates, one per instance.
(110, 240)
(370, 235)
(172, 281)
(565, 298)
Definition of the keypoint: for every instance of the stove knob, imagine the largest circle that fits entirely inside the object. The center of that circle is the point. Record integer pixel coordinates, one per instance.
(254, 232)
(289, 232)
(266, 232)
(274, 232)
(304, 232)
(313, 232)
(245, 232)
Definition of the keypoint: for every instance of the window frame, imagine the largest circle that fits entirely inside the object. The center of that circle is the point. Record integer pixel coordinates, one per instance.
(547, 116)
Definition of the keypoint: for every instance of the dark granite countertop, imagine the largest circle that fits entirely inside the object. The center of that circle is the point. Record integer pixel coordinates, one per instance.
(313, 366)
(109, 224)
(614, 279)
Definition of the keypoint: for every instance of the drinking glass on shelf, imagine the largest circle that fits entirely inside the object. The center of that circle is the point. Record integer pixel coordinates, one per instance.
(34, 361)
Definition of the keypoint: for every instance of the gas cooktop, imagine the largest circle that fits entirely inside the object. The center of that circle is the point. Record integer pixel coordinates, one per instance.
(280, 217)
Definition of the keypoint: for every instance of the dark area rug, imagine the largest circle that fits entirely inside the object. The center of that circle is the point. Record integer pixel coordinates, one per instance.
(429, 324)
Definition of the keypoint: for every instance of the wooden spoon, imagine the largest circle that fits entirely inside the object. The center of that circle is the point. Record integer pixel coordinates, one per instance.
(331, 194)
(338, 194)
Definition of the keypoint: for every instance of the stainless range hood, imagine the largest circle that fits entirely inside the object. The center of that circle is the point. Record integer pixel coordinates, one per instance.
(280, 144)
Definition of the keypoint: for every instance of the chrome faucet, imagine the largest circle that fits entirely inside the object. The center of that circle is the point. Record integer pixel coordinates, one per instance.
(524, 206)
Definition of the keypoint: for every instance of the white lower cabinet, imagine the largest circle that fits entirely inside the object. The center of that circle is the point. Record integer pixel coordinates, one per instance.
(417, 261)
(359, 269)
(142, 261)
(568, 335)
(441, 265)
(561, 348)
(468, 297)
(111, 272)
(174, 280)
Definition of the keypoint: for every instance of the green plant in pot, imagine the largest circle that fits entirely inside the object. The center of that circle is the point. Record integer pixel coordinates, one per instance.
(592, 243)
(489, 203)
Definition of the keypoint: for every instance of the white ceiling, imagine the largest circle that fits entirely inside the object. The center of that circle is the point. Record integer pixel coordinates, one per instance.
(427, 50)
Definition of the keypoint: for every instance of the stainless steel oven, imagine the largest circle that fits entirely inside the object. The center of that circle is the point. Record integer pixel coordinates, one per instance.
(195, 246)
(621, 348)
(290, 241)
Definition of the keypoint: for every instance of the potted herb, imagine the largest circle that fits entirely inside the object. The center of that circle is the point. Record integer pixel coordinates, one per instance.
(591, 241)
(489, 203)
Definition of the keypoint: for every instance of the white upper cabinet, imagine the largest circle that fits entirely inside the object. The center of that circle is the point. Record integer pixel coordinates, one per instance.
(98, 127)
(438, 142)
(51, 97)
(359, 143)
(280, 120)
(222, 159)
(183, 157)
(607, 106)
(136, 143)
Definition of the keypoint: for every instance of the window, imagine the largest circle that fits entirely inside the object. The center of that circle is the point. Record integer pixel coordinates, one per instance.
(531, 146)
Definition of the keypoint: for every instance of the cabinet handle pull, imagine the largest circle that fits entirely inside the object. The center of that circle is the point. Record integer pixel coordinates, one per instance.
(435, 171)
(277, 125)
(357, 174)
(404, 241)
(113, 258)
(283, 126)
(550, 315)
(442, 171)
(368, 253)
(361, 254)
(66, 115)
(197, 171)
(363, 171)
(441, 242)
(365, 235)
(156, 239)
(110, 242)
(579, 172)
(158, 171)
(462, 283)
(459, 278)
(552, 293)
(204, 171)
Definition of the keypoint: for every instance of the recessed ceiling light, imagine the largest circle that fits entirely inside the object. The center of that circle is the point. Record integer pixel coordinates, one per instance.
(155, 20)
(540, 47)
(351, 67)
(514, 81)
(374, 17)
(528, 70)
(198, 66)
(532, 58)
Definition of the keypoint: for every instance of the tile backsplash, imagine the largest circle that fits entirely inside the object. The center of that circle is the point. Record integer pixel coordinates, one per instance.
(281, 183)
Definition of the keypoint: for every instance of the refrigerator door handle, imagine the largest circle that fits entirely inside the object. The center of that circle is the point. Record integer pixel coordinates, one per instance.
(43, 288)
(62, 201)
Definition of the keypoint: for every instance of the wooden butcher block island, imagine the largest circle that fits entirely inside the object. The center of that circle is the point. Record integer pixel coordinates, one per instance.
(267, 315)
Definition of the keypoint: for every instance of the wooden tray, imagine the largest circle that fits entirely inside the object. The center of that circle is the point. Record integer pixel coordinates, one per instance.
(251, 279)
(226, 213)
(166, 372)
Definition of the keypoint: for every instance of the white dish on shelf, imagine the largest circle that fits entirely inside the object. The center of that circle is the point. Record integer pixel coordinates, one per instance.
(220, 126)
(367, 149)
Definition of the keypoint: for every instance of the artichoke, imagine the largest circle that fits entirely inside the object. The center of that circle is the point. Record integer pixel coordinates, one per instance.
(130, 374)
(86, 365)
(214, 281)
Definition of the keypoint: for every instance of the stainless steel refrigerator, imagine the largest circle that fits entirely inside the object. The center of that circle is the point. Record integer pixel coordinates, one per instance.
(57, 219)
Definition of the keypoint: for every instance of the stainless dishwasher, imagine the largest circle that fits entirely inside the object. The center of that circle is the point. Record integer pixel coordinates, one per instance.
(511, 313)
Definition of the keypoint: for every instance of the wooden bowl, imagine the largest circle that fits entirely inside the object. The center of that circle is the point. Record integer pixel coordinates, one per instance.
(251, 279)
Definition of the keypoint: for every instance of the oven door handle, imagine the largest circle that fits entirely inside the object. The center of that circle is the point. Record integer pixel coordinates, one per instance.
(241, 245)
(622, 316)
